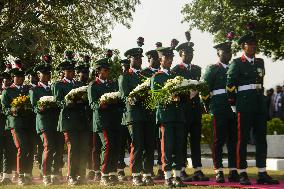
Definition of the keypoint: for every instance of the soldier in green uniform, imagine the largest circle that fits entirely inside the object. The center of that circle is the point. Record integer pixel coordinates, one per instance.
(192, 111)
(72, 123)
(225, 123)
(107, 129)
(171, 119)
(139, 124)
(154, 65)
(20, 123)
(46, 122)
(245, 90)
(125, 136)
(6, 141)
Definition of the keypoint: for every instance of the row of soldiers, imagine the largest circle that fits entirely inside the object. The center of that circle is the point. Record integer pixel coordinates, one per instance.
(96, 132)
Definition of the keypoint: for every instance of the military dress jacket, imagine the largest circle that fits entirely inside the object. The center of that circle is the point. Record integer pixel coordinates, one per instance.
(22, 120)
(127, 82)
(72, 116)
(166, 113)
(191, 72)
(243, 73)
(106, 116)
(216, 77)
(47, 119)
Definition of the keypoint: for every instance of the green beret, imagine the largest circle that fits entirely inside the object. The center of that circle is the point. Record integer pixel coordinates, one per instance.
(17, 72)
(165, 51)
(67, 65)
(152, 54)
(125, 62)
(134, 52)
(102, 63)
(249, 37)
(43, 68)
(5, 75)
(188, 46)
(223, 46)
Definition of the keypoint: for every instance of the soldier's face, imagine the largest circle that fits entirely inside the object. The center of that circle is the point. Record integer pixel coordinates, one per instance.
(44, 77)
(186, 56)
(136, 62)
(166, 61)
(103, 73)
(69, 74)
(6, 83)
(19, 80)
(250, 48)
(154, 62)
(83, 76)
(225, 55)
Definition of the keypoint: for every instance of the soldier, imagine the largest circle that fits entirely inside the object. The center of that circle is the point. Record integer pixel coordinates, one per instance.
(171, 120)
(154, 65)
(107, 129)
(7, 146)
(20, 123)
(72, 123)
(139, 124)
(225, 125)
(192, 111)
(245, 89)
(46, 123)
(125, 136)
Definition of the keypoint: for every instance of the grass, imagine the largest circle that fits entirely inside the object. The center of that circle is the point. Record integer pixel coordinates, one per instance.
(209, 172)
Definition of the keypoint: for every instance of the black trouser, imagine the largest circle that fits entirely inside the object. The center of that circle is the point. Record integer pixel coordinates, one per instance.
(23, 139)
(225, 131)
(246, 121)
(110, 150)
(172, 145)
(8, 156)
(51, 155)
(90, 159)
(96, 152)
(77, 142)
(193, 128)
(158, 145)
(143, 140)
(38, 147)
(124, 145)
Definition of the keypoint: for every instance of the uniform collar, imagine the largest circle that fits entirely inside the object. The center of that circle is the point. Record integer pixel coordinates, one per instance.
(102, 81)
(153, 69)
(135, 71)
(184, 64)
(68, 81)
(43, 85)
(17, 86)
(165, 71)
(248, 58)
(224, 65)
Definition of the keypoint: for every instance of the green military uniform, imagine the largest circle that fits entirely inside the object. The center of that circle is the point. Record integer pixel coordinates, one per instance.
(72, 123)
(125, 136)
(7, 147)
(192, 111)
(250, 106)
(107, 129)
(171, 120)
(46, 126)
(138, 119)
(224, 125)
(20, 125)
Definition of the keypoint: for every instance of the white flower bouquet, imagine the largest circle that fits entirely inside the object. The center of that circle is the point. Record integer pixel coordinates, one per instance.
(110, 98)
(141, 92)
(46, 102)
(77, 95)
(174, 88)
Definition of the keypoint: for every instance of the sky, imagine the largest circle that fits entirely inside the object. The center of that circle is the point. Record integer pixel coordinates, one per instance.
(160, 20)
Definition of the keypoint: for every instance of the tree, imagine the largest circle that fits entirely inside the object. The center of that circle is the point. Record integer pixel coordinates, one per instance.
(219, 17)
(31, 28)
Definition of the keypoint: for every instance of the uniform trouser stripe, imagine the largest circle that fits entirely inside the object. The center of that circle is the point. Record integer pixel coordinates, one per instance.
(163, 147)
(239, 140)
(66, 136)
(215, 143)
(17, 144)
(45, 153)
(104, 166)
(131, 157)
